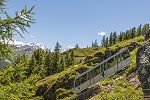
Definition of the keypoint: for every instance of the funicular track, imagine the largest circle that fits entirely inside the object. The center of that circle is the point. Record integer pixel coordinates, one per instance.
(86, 93)
(90, 92)
(93, 90)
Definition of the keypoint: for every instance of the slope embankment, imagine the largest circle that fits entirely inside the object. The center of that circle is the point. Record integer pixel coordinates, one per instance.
(60, 85)
(143, 64)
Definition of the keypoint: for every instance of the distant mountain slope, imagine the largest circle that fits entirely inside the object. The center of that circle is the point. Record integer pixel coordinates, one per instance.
(21, 47)
(4, 63)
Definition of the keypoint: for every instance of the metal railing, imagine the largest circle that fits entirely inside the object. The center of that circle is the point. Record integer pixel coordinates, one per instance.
(92, 91)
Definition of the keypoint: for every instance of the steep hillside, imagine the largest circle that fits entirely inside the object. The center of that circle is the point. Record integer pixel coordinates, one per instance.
(134, 86)
(59, 86)
(123, 86)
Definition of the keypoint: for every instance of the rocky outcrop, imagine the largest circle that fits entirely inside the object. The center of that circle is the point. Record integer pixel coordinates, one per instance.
(143, 66)
(146, 34)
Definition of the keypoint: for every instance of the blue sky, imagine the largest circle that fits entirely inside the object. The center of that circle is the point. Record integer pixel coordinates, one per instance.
(79, 21)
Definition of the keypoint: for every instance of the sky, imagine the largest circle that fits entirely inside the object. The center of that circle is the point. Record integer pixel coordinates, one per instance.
(72, 22)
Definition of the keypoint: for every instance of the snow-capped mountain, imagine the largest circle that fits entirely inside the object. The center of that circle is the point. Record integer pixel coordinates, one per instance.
(17, 43)
(40, 45)
(19, 46)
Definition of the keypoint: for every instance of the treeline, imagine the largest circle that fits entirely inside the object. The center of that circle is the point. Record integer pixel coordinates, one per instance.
(129, 34)
(46, 62)
(21, 76)
(115, 37)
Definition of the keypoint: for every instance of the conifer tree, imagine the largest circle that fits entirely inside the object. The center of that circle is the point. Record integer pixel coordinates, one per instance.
(95, 44)
(126, 35)
(57, 47)
(120, 37)
(106, 43)
(114, 38)
(139, 30)
(111, 39)
(72, 57)
(129, 34)
(69, 58)
(92, 44)
(48, 64)
(56, 58)
(87, 46)
(103, 42)
(77, 46)
(145, 28)
(62, 62)
(39, 56)
(32, 65)
(133, 32)
(9, 25)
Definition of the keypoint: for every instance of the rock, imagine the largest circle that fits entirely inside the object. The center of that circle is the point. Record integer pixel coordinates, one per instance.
(143, 66)
(110, 86)
(4, 63)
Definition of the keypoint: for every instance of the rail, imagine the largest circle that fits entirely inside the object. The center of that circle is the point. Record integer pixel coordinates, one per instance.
(91, 91)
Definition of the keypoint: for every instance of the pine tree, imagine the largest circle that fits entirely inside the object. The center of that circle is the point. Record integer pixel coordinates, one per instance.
(129, 34)
(92, 44)
(145, 28)
(95, 44)
(72, 57)
(56, 58)
(48, 63)
(39, 56)
(67, 60)
(133, 32)
(103, 42)
(126, 35)
(120, 37)
(139, 30)
(106, 43)
(77, 46)
(62, 62)
(32, 65)
(57, 47)
(111, 39)
(114, 38)
(8, 26)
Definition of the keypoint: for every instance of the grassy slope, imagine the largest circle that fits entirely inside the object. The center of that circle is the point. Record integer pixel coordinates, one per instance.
(62, 83)
(122, 86)
(91, 51)
(85, 51)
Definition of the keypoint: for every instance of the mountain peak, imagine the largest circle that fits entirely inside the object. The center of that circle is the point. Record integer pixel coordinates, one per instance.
(21, 47)
(18, 43)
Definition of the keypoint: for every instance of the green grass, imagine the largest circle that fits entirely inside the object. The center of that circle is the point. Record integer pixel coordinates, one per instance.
(122, 44)
(84, 52)
(61, 84)
(122, 88)
(122, 91)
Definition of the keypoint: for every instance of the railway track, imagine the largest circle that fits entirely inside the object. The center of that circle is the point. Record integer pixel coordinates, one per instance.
(91, 91)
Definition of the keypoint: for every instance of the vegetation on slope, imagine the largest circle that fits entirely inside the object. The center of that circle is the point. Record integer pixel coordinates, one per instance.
(54, 72)
(60, 85)
(122, 86)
